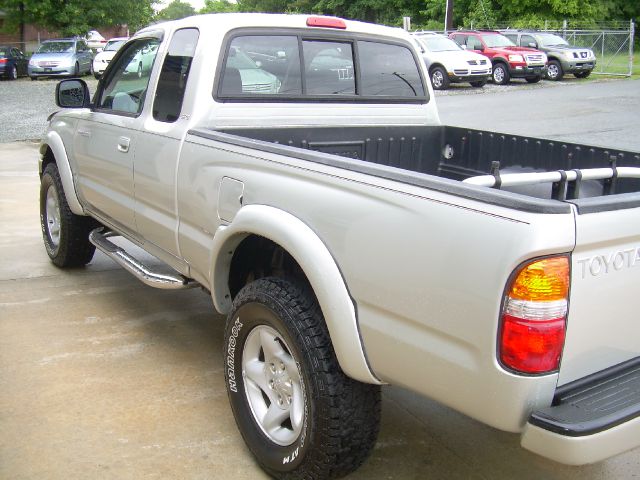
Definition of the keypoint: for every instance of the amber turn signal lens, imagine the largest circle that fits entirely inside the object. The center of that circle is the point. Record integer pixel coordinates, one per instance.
(544, 280)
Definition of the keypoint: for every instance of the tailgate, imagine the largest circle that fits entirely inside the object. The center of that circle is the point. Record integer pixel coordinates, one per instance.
(603, 325)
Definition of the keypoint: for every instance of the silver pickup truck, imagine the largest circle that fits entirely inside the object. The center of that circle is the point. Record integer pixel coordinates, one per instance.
(295, 168)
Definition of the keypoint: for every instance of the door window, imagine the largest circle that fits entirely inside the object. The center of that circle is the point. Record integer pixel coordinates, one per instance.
(172, 82)
(528, 41)
(474, 43)
(128, 79)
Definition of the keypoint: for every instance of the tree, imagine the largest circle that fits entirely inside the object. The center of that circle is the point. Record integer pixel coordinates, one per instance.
(76, 17)
(218, 6)
(174, 11)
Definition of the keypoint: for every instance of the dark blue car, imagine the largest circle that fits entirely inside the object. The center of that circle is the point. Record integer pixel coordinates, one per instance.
(13, 63)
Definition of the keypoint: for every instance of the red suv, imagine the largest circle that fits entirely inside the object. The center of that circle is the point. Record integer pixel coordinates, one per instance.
(509, 61)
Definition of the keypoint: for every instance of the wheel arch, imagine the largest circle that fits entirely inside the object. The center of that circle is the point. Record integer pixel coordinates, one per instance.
(297, 240)
(52, 150)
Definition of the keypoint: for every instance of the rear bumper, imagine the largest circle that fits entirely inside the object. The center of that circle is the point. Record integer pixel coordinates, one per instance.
(582, 450)
(591, 419)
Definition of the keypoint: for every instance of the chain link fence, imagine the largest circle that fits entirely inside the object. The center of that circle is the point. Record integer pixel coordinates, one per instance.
(612, 42)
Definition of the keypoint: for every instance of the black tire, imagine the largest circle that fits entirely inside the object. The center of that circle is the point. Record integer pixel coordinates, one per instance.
(76, 70)
(439, 78)
(13, 73)
(582, 74)
(554, 71)
(66, 235)
(500, 74)
(332, 421)
(34, 79)
(479, 83)
(533, 79)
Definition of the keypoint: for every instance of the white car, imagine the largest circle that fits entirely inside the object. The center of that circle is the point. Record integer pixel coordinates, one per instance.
(102, 59)
(95, 40)
(449, 63)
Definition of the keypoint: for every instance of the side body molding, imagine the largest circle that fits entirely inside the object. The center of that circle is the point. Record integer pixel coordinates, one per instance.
(317, 263)
(54, 142)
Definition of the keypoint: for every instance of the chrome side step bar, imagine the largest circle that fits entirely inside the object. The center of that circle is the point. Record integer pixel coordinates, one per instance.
(135, 267)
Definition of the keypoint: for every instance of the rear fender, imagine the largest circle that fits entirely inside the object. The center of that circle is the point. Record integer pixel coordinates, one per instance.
(318, 265)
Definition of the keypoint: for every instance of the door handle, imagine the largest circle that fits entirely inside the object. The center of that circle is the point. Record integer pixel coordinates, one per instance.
(123, 144)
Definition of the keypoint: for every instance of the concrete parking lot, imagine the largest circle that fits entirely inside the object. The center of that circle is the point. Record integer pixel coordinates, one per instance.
(103, 377)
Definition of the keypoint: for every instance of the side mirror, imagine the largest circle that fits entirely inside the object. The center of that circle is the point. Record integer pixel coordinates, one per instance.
(533, 45)
(72, 94)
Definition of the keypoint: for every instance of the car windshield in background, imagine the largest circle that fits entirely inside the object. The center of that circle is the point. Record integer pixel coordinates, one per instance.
(3, 53)
(551, 40)
(56, 47)
(439, 44)
(112, 46)
(496, 40)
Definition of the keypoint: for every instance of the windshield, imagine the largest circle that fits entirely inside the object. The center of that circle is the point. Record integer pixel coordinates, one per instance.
(113, 45)
(435, 43)
(496, 40)
(56, 47)
(551, 40)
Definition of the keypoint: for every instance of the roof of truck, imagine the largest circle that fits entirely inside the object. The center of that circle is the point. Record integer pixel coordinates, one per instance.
(229, 21)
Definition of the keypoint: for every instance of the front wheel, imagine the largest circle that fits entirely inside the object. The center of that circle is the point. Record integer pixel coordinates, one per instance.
(13, 73)
(554, 70)
(298, 413)
(439, 78)
(66, 235)
(501, 74)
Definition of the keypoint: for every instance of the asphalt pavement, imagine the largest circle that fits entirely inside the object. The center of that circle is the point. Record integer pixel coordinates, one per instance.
(104, 377)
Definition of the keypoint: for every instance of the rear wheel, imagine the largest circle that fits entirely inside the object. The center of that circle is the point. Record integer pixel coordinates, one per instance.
(501, 74)
(439, 78)
(66, 235)
(13, 73)
(554, 70)
(298, 413)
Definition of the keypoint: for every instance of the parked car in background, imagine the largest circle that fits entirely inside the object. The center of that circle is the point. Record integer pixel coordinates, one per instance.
(95, 40)
(449, 63)
(508, 60)
(102, 59)
(142, 61)
(13, 63)
(563, 58)
(61, 57)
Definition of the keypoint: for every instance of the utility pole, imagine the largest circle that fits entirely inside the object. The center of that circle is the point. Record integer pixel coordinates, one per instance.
(448, 16)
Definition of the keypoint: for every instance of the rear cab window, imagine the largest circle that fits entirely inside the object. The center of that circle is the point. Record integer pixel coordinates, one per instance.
(258, 66)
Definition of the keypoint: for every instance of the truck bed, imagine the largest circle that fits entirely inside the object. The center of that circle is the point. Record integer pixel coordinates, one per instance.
(454, 153)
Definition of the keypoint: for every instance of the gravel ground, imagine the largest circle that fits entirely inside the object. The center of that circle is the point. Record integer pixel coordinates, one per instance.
(27, 104)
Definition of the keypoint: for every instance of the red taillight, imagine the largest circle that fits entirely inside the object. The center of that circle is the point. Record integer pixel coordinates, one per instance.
(3, 60)
(534, 316)
(326, 22)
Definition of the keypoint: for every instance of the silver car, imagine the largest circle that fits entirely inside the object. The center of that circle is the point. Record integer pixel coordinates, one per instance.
(61, 57)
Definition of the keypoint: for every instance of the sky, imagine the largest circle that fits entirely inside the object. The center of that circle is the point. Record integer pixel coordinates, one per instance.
(196, 4)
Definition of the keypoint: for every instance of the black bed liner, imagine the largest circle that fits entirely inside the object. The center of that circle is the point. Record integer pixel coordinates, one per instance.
(445, 152)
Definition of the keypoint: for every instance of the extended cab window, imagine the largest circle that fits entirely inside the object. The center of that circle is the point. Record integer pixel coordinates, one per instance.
(127, 79)
(277, 66)
(174, 74)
